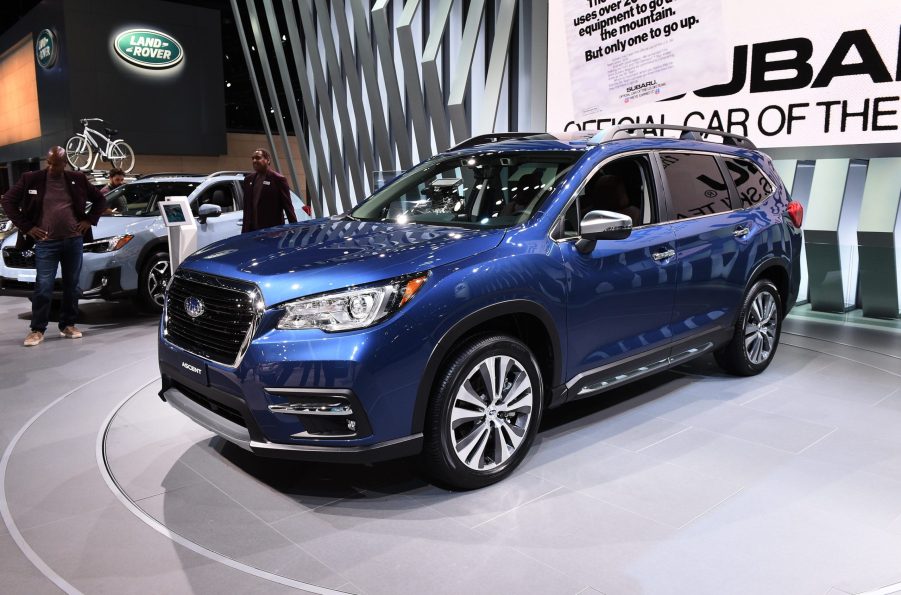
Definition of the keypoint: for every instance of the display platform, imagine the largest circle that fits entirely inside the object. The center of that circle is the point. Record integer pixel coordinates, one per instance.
(689, 481)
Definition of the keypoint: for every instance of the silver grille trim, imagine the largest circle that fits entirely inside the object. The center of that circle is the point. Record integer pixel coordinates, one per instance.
(238, 326)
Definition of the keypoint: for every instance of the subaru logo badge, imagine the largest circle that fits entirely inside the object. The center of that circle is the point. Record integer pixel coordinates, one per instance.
(194, 307)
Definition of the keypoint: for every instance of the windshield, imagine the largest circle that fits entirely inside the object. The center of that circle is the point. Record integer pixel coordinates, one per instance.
(487, 190)
(140, 200)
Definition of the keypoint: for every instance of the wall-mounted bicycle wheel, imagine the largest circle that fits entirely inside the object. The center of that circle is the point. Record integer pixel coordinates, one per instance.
(122, 156)
(78, 152)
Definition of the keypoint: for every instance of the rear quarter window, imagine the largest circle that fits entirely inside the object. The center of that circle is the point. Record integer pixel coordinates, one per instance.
(751, 183)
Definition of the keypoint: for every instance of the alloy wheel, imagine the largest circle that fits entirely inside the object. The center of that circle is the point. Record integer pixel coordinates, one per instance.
(491, 412)
(760, 328)
(157, 280)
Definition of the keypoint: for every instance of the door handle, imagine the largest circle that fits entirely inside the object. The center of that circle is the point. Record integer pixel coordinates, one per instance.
(665, 255)
(742, 231)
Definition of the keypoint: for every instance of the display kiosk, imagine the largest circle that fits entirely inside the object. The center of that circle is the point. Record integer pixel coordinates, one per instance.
(182, 228)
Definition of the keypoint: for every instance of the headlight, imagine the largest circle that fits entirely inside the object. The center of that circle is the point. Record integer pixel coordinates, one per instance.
(352, 309)
(110, 244)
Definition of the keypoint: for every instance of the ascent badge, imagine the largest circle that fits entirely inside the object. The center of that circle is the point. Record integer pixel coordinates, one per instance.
(148, 48)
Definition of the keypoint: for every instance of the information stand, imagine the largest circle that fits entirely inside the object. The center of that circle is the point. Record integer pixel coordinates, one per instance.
(182, 228)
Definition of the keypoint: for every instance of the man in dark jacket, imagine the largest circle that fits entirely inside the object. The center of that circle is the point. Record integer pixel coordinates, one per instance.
(267, 200)
(117, 204)
(49, 207)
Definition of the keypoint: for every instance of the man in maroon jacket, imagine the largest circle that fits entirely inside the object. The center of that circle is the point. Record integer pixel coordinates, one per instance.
(266, 195)
(49, 207)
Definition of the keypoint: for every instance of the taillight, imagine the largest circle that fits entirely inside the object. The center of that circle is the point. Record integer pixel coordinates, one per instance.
(796, 213)
(308, 210)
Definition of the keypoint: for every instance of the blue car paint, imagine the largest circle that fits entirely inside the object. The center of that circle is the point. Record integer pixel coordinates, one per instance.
(640, 305)
(291, 261)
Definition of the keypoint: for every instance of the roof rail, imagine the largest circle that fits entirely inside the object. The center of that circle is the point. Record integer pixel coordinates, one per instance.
(228, 173)
(688, 133)
(169, 174)
(495, 137)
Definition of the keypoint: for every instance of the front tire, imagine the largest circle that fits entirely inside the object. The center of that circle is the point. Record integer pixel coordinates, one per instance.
(78, 152)
(153, 280)
(121, 155)
(483, 414)
(757, 332)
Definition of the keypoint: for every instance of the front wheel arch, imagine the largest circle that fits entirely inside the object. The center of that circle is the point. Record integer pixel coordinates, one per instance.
(496, 317)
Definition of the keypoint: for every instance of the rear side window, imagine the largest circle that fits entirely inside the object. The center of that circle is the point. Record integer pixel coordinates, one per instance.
(752, 185)
(696, 185)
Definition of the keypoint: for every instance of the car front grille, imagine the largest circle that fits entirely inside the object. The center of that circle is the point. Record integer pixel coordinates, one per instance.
(227, 322)
(18, 259)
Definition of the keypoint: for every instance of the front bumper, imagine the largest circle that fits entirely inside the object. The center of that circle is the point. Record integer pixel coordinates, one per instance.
(102, 284)
(343, 397)
(240, 436)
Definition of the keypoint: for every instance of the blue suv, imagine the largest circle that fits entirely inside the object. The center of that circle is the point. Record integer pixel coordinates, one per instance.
(509, 275)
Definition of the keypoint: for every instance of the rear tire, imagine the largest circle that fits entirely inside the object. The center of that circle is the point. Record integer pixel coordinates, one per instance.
(121, 155)
(153, 280)
(757, 332)
(483, 414)
(78, 152)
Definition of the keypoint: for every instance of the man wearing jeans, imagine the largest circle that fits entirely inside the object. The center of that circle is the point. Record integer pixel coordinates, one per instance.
(49, 207)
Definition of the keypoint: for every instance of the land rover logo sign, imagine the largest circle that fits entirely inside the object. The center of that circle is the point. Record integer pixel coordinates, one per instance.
(148, 49)
(46, 49)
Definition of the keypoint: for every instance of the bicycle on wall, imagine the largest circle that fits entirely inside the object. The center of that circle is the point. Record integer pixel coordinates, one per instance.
(83, 149)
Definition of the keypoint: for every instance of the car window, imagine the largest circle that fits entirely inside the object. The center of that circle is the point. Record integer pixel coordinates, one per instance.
(623, 186)
(751, 183)
(217, 194)
(141, 198)
(481, 190)
(696, 185)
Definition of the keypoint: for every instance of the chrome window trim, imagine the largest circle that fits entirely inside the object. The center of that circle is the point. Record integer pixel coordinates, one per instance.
(649, 152)
(256, 298)
(581, 186)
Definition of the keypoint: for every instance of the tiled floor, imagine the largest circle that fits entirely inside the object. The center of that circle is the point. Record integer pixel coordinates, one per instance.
(687, 482)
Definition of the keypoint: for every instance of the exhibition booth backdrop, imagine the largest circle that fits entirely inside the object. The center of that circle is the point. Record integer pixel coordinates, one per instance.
(814, 84)
(151, 69)
(820, 95)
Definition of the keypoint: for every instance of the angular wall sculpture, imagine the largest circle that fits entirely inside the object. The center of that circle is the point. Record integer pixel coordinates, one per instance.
(386, 84)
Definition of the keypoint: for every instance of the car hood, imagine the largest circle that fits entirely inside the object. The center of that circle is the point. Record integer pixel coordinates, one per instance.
(293, 261)
(115, 226)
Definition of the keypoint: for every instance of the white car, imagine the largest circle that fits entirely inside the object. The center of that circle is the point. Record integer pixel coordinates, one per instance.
(130, 255)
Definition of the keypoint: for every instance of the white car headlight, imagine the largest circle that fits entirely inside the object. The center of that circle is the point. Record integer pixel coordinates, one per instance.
(110, 244)
(351, 309)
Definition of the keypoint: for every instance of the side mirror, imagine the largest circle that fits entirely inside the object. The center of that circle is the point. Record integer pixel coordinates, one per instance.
(602, 225)
(208, 210)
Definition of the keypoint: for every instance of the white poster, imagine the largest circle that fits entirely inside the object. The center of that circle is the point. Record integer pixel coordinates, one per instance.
(804, 73)
(632, 52)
